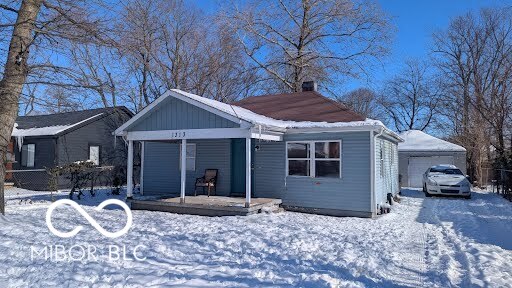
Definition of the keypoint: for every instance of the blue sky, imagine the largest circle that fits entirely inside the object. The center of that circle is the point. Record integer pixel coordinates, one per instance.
(415, 22)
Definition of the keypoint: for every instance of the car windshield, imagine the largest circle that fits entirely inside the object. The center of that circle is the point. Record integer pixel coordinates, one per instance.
(449, 171)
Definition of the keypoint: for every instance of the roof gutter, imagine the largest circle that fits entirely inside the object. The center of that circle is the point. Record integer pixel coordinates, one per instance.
(382, 130)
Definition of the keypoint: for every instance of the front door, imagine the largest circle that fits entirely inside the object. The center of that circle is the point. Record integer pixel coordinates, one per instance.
(238, 167)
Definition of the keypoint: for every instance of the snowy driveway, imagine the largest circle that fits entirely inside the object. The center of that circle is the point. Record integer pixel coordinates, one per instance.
(424, 242)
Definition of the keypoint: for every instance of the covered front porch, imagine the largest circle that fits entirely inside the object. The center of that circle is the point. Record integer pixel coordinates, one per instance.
(181, 136)
(165, 172)
(168, 180)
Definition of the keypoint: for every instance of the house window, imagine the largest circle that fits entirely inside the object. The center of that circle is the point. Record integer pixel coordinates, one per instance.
(299, 159)
(28, 152)
(94, 154)
(327, 159)
(314, 158)
(381, 159)
(191, 157)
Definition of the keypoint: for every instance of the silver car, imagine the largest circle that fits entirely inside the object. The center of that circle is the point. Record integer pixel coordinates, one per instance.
(446, 180)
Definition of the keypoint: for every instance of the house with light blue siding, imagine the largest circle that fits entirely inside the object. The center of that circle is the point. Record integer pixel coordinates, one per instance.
(312, 153)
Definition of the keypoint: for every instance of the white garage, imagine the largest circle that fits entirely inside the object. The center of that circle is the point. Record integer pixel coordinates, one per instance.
(419, 151)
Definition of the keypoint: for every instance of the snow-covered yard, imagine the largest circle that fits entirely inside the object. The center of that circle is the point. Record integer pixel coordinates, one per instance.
(428, 242)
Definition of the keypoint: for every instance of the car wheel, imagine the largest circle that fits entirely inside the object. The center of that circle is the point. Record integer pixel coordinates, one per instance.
(425, 190)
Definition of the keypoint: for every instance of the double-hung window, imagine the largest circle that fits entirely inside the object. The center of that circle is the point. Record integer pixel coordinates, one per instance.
(320, 159)
(327, 159)
(28, 153)
(299, 159)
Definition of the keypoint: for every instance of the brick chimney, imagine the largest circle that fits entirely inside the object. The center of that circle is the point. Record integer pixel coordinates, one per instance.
(309, 86)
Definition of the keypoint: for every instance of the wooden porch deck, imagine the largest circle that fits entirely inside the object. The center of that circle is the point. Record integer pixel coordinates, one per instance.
(206, 206)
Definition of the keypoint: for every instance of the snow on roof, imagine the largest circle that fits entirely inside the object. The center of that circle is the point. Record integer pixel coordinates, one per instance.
(46, 131)
(20, 134)
(41, 131)
(258, 119)
(252, 117)
(415, 140)
(65, 118)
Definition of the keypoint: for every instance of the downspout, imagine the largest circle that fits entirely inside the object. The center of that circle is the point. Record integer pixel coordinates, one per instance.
(373, 168)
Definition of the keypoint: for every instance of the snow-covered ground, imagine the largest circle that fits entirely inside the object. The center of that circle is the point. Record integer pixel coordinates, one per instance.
(423, 242)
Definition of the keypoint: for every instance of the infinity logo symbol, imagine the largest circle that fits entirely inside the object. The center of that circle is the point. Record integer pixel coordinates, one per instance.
(129, 220)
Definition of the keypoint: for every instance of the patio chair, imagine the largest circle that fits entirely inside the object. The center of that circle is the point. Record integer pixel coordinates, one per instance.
(209, 180)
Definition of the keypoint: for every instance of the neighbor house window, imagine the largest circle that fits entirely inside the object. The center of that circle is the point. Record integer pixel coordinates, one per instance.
(314, 158)
(94, 154)
(191, 157)
(28, 152)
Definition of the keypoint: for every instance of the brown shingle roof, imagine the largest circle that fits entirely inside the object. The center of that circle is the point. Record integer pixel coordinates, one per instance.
(300, 106)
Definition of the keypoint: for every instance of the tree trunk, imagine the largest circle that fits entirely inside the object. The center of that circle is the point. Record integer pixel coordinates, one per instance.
(15, 75)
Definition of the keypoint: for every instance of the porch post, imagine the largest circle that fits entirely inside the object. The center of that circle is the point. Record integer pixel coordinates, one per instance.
(248, 166)
(129, 172)
(141, 182)
(183, 166)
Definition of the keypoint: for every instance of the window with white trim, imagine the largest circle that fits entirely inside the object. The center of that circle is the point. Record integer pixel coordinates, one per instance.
(94, 154)
(314, 158)
(327, 159)
(191, 157)
(299, 159)
(28, 153)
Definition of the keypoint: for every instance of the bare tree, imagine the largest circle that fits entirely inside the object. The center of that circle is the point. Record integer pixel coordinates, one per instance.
(365, 102)
(138, 38)
(183, 40)
(325, 40)
(411, 98)
(61, 99)
(95, 70)
(14, 76)
(227, 74)
(37, 25)
(179, 46)
(474, 57)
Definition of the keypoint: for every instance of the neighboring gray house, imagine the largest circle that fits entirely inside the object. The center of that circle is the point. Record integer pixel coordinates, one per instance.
(308, 150)
(420, 151)
(44, 141)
